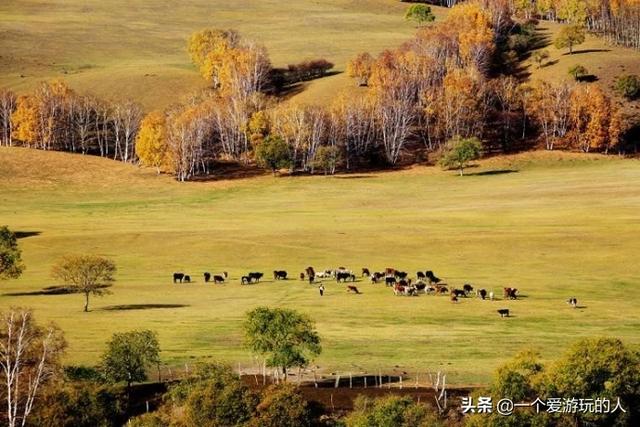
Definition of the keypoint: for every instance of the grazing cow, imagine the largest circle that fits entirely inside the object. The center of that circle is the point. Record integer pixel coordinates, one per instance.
(511, 293)
(365, 272)
(482, 293)
(352, 288)
(310, 271)
(573, 302)
(245, 280)
(503, 312)
(398, 289)
(430, 289)
(403, 282)
(187, 278)
(491, 295)
(390, 280)
(431, 277)
(373, 278)
(344, 276)
(301, 276)
(207, 277)
(458, 293)
(420, 275)
(378, 275)
(454, 298)
(177, 277)
(218, 279)
(225, 274)
(467, 288)
(420, 287)
(312, 279)
(279, 275)
(401, 274)
(389, 271)
(255, 276)
(442, 289)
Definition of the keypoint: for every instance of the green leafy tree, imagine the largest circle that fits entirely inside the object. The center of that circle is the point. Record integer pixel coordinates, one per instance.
(284, 337)
(570, 36)
(87, 274)
(129, 355)
(273, 153)
(628, 86)
(391, 411)
(326, 159)
(539, 56)
(578, 72)
(460, 151)
(11, 266)
(419, 13)
(282, 406)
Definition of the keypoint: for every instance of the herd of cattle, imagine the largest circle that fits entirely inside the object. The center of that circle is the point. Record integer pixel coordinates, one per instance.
(426, 283)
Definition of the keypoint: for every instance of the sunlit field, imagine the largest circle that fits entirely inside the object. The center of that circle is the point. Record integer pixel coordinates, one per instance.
(553, 225)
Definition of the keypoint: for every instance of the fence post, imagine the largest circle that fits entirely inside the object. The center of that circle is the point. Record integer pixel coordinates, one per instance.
(400, 382)
(350, 380)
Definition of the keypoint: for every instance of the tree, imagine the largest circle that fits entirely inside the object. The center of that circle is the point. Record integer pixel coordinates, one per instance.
(419, 13)
(282, 406)
(128, 356)
(326, 159)
(284, 337)
(11, 266)
(628, 86)
(391, 411)
(539, 56)
(273, 153)
(7, 108)
(460, 151)
(360, 68)
(29, 358)
(570, 36)
(578, 72)
(87, 274)
(151, 142)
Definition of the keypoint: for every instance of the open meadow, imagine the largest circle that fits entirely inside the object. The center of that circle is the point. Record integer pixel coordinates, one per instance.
(554, 225)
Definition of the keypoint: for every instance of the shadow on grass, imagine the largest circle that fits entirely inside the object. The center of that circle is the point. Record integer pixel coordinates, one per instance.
(25, 234)
(354, 176)
(49, 290)
(492, 172)
(577, 52)
(141, 307)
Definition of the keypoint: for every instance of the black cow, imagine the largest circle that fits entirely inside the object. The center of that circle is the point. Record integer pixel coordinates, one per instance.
(245, 280)
(511, 293)
(310, 272)
(352, 288)
(279, 275)
(390, 280)
(421, 287)
(401, 274)
(467, 288)
(218, 279)
(573, 302)
(454, 298)
(431, 277)
(177, 277)
(503, 312)
(344, 276)
(207, 277)
(301, 276)
(365, 272)
(458, 293)
(187, 278)
(255, 276)
(420, 275)
(482, 293)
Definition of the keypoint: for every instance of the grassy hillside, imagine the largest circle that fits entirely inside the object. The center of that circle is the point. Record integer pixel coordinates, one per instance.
(137, 48)
(554, 225)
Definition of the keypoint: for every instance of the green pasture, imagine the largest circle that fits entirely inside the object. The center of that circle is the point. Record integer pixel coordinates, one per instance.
(553, 225)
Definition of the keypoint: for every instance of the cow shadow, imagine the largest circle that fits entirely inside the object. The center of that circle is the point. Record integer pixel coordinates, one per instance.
(126, 307)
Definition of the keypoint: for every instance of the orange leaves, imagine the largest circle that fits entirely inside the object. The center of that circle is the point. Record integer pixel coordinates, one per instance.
(595, 119)
(360, 68)
(151, 142)
(475, 34)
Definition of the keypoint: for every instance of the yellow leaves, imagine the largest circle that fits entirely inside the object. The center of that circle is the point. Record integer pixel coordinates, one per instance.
(360, 68)
(151, 142)
(473, 27)
(25, 120)
(591, 116)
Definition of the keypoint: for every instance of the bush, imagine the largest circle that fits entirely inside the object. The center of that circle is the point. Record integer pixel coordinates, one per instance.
(326, 159)
(628, 86)
(273, 153)
(391, 411)
(282, 406)
(460, 151)
(578, 72)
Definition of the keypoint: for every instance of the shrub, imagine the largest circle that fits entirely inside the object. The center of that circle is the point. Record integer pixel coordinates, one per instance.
(628, 86)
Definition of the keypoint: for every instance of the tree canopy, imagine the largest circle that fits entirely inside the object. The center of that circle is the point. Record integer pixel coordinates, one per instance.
(570, 36)
(11, 266)
(87, 274)
(129, 355)
(284, 337)
(273, 153)
(460, 151)
(419, 13)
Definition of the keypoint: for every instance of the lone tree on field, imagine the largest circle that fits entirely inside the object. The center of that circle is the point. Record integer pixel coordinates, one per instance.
(569, 37)
(29, 358)
(460, 151)
(87, 274)
(11, 266)
(419, 13)
(578, 72)
(128, 356)
(273, 153)
(285, 337)
(539, 56)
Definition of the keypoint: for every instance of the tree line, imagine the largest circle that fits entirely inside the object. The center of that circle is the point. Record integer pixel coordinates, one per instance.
(453, 80)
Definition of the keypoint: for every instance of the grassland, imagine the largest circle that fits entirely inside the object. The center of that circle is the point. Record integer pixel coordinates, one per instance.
(138, 49)
(554, 225)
